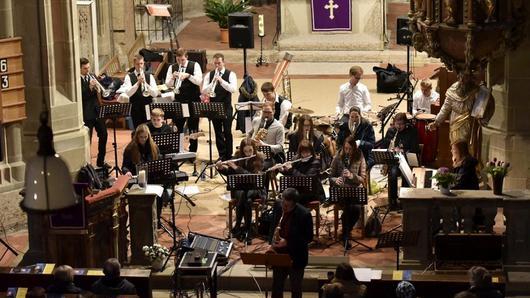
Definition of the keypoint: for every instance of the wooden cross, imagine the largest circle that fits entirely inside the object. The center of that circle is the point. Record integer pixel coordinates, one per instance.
(331, 6)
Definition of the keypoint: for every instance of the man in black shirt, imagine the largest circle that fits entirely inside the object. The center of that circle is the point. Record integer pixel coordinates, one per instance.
(112, 284)
(157, 125)
(221, 83)
(91, 101)
(405, 140)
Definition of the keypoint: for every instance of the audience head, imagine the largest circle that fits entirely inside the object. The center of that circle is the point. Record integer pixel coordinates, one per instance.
(305, 149)
(111, 268)
(36, 292)
(267, 89)
(289, 199)
(356, 74)
(400, 121)
(139, 62)
(355, 115)
(479, 277)
(181, 56)
(426, 87)
(267, 111)
(63, 274)
(345, 272)
(157, 117)
(460, 150)
(465, 294)
(333, 290)
(405, 290)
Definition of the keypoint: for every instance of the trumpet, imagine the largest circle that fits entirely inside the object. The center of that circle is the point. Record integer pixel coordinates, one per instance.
(104, 92)
(211, 93)
(145, 91)
(178, 82)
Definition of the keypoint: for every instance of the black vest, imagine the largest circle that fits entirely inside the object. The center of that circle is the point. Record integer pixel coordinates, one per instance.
(90, 101)
(189, 92)
(221, 95)
(138, 101)
(277, 110)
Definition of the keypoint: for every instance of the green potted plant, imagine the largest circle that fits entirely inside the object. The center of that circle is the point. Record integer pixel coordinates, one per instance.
(218, 10)
(444, 180)
(498, 170)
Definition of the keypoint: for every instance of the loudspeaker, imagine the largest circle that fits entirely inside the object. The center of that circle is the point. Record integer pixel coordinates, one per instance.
(241, 30)
(199, 56)
(403, 34)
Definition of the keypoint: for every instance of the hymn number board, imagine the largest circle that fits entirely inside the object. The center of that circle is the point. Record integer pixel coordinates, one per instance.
(12, 97)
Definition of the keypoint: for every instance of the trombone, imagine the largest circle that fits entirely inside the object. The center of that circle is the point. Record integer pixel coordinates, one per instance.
(104, 92)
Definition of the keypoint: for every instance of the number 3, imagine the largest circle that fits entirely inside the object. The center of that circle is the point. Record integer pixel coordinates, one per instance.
(5, 82)
(3, 65)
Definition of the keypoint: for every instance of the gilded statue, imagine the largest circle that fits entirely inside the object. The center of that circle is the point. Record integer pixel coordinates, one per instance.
(489, 10)
(468, 106)
(450, 12)
(419, 10)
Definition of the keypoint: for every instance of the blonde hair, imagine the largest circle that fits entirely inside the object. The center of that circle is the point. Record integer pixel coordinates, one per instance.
(157, 112)
(355, 70)
(426, 83)
(133, 145)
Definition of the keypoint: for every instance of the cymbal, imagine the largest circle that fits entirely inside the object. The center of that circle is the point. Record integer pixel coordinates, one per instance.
(318, 122)
(301, 110)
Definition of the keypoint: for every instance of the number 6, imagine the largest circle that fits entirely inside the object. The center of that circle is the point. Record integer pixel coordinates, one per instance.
(3, 65)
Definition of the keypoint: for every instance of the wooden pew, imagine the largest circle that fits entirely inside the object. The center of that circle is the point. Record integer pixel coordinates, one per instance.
(139, 277)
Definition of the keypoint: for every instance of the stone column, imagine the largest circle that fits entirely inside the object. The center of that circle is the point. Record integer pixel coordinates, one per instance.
(14, 150)
(6, 21)
(507, 136)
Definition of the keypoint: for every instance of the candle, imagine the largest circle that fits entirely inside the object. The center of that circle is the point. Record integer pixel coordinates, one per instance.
(141, 178)
(261, 25)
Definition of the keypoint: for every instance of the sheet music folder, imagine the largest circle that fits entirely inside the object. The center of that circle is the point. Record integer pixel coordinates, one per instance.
(266, 259)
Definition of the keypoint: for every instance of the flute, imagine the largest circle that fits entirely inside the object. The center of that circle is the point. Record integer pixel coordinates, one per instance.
(232, 160)
(280, 165)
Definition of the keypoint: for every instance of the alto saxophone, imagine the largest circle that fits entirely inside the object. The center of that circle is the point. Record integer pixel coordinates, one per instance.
(261, 134)
(276, 236)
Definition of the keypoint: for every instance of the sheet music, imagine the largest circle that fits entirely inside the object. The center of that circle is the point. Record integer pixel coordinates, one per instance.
(185, 110)
(363, 274)
(147, 112)
(405, 169)
(188, 190)
(412, 159)
(377, 274)
(181, 141)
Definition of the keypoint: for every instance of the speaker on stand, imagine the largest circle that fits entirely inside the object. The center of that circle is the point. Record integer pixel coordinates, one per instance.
(241, 33)
(404, 38)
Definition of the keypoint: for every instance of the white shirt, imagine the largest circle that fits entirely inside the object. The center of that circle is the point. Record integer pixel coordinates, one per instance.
(130, 89)
(285, 107)
(230, 86)
(195, 78)
(422, 102)
(356, 96)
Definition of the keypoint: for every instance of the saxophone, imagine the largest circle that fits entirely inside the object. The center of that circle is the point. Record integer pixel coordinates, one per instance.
(261, 134)
(276, 236)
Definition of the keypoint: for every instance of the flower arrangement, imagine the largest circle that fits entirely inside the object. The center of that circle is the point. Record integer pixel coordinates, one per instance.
(497, 168)
(156, 251)
(444, 177)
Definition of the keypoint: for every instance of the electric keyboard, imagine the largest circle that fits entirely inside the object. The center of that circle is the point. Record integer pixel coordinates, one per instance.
(222, 247)
(181, 156)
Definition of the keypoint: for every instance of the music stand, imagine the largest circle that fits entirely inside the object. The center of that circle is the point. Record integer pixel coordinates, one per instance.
(303, 184)
(268, 260)
(244, 182)
(398, 239)
(168, 142)
(210, 110)
(113, 112)
(358, 195)
(291, 155)
(172, 110)
(266, 150)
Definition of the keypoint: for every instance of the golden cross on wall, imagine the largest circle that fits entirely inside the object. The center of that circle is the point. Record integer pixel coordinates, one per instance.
(331, 6)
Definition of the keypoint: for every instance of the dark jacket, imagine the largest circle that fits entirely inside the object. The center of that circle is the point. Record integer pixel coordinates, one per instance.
(300, 235)
(364, 133)
(128, 165)
(113, 287)
(486, 292)
(466, 174)
(311, 168)
(160, 130)
(63, 288)
(317, 141)
(90, 101)
(407, 139)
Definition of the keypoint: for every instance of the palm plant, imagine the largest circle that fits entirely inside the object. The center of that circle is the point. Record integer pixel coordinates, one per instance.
(218, 10)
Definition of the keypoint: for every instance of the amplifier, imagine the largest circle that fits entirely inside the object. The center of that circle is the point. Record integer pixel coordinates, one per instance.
(222, 247)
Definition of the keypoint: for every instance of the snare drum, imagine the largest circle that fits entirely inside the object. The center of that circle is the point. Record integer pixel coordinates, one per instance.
(428, 138)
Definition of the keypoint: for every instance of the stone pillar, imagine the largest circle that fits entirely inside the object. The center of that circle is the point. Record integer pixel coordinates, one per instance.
(507, 136)
(14, 150)
(6, 21)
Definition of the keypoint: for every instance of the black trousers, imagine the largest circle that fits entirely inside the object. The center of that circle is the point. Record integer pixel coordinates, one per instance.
(193, 126)
(296, 276)
(393, 175)
(101, 130)
(223, 135)
(245, 198)
(350, 216)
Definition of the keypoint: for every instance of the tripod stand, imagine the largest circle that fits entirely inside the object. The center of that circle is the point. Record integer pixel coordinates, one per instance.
(210, 110)
(9, 248)
(113, 112)
(261, 60)
(351, 195)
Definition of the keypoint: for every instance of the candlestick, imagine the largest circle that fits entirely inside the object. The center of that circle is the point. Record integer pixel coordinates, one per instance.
(261, 25)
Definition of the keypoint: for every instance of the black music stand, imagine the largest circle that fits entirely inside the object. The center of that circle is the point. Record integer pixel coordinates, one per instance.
(172, 110)
(167, 142)
(388, 158)
(303, 184)
(267, 260)
(210, 110)
(397, 239)
(266, 150)
(291, 155)
(244, 182)
(358, 195)
(113, 112)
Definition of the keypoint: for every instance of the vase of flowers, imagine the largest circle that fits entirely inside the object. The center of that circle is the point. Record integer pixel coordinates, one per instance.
(498, 170)
(444, 180)
(156, 254)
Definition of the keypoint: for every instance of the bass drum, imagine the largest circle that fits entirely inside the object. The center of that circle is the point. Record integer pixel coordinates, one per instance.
(428, 138)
